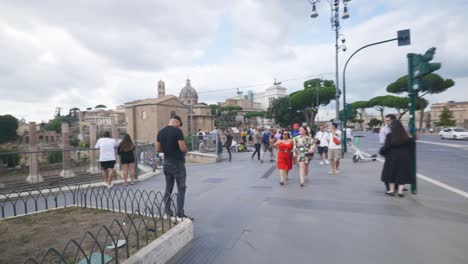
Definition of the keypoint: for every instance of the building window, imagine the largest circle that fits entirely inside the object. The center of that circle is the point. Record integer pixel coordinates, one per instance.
(172, 113)
(143, 115)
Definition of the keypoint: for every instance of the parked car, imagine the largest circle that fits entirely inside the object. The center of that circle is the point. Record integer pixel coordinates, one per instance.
(453, 133)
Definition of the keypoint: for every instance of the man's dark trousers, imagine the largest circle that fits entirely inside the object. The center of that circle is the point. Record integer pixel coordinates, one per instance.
(257, 150)
(174, 170)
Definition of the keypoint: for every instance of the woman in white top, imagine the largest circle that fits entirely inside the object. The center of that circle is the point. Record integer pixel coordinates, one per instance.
(106, 146)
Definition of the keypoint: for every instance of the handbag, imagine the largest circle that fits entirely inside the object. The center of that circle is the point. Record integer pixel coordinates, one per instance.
(336, 140)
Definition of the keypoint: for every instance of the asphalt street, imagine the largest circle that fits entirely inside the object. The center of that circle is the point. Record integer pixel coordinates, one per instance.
(440, 159)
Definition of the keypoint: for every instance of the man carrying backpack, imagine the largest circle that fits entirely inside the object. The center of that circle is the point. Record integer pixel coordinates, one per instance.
(266, 144)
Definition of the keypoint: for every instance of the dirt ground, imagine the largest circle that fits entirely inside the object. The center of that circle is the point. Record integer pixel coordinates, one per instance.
(31, 235)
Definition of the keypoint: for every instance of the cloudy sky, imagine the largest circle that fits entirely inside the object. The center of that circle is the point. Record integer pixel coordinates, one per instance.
(84, 53)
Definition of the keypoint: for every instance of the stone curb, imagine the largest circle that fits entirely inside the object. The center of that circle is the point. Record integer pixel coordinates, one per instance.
(165, 247)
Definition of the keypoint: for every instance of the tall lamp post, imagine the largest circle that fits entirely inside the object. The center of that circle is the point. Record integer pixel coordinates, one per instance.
(335, 25)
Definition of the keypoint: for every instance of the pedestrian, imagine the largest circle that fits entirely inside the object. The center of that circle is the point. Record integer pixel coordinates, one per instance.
(126, 151)
(272, 143)
(244, 136)
(384, 131)
(284, 159)
(334, 149)
(250, 133)
(349, 136)
(322, 141)
(228, 143)
(200, 135)
(257, 140)
(295, 131)
(266, 145)
(304, 149)
(398, 166)
(106, 146)
(278, 134)
(171, 142)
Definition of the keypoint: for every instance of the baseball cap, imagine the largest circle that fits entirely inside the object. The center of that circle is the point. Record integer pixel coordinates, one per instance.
(176, 117)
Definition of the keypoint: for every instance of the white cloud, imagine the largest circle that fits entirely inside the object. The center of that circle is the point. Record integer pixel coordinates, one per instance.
(85, 53)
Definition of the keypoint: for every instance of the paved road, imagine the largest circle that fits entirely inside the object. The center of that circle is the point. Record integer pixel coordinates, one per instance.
(244, 216)
(443, 160)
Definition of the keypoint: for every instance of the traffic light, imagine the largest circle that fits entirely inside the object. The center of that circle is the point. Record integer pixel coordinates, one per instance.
(422, 66)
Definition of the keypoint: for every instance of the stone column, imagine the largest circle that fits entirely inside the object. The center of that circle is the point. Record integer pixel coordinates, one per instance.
(67, 171)
(34, 175)
(93, 155)
(115, 135)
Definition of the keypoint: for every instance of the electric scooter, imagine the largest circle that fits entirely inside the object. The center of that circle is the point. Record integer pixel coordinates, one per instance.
(358, 154)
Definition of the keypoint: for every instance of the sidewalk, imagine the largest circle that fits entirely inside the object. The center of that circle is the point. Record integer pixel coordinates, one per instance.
(243, 215)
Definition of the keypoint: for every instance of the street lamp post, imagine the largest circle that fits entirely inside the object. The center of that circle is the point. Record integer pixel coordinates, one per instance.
(335, 24)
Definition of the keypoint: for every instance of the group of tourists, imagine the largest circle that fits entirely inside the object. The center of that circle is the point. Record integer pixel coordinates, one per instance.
(297, 146)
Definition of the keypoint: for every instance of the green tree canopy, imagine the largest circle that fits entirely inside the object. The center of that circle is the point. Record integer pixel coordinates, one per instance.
(55, 124)
(306, 100)
(430, 84)
(446, 118)
(379, 103)
(214, 109)
(374, 122)
(100, 106)
(283, 113)
(8, 127)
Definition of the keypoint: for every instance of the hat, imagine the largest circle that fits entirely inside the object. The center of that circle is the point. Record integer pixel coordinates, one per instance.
(296, 126)
(176, 117)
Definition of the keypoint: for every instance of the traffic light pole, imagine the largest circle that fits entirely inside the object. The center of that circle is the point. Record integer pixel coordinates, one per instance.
(412, 123)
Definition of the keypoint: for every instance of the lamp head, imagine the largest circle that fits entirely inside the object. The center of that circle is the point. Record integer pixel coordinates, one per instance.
(345, 13)
(314, 13)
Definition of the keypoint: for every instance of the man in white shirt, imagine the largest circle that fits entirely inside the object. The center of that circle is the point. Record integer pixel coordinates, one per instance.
(384, 131)
(322, 138)
(334, 149)
(106, 146)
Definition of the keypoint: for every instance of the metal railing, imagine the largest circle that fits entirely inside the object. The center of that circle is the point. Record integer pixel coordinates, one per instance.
(204, 144)
(31, 169)
(144, 215)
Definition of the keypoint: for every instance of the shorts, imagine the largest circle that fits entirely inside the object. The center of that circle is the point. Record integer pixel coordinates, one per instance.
(334, 154)
(267, 147)
(107, 164)
(322, 150)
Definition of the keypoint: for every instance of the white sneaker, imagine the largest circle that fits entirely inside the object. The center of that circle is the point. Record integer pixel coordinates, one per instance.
(321, 162)
(327, 162)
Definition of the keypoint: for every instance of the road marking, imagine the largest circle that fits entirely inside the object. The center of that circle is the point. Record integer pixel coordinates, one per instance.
(435, 182)
(444, 144)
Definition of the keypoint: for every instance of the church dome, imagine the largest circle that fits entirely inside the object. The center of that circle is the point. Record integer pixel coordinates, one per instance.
(188, 94)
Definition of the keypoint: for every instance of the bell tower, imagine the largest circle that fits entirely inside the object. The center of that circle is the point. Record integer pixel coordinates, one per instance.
(161, 89)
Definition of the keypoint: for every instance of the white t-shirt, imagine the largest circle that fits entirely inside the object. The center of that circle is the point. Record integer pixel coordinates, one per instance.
(383, 134)
(107, 148)
(349, 133)
(324, 137)
(332, 144)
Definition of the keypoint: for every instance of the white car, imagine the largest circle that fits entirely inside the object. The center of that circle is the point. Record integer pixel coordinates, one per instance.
(454, 133)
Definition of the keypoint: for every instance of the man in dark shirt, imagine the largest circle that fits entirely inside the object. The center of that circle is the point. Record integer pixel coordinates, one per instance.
(171, 142)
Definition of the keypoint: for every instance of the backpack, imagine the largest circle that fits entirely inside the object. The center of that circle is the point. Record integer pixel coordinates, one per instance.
(266, 138)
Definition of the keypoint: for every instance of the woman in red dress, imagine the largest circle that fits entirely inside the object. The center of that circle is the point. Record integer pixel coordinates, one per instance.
(285, 146)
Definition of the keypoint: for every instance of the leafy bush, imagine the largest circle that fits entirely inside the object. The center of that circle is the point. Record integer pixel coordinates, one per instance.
(11, 160)
(55, 157)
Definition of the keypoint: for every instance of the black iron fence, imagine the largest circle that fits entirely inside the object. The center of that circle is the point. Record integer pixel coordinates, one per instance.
(147, 216)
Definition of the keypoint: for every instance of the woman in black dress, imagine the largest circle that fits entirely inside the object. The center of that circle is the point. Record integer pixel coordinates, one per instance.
(398, 167)
(127, 158)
